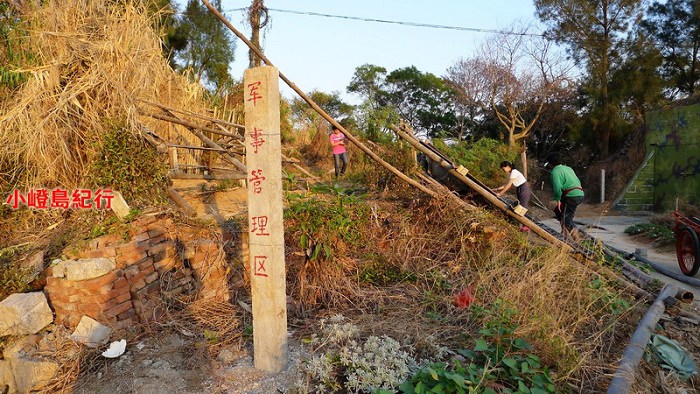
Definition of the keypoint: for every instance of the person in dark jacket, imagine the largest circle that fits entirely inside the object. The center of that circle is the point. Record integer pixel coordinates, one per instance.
(567, 191)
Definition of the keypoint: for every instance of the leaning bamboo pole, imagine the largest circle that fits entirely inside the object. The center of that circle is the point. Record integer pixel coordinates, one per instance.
(477, 187)
(318, 109)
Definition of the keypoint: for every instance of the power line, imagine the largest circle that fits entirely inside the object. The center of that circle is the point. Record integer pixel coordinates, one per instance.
(414, 24)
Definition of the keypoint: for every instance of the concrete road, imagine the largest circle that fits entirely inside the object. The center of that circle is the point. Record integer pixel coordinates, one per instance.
(611, 230)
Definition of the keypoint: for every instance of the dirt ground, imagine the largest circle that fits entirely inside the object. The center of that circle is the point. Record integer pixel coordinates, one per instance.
(175, 361)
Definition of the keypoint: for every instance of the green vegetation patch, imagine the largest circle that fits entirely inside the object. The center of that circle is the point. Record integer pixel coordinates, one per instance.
(662, 235)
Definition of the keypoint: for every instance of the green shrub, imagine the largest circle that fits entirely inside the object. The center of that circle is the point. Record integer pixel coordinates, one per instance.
(127, 164)
(324, 224)
(13, 278)
(661, 234)
(482, 158)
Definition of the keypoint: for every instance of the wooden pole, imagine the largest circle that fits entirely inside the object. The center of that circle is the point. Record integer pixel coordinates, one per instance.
(265, 200)
(318, 109)
(196, 115)
(190, 125)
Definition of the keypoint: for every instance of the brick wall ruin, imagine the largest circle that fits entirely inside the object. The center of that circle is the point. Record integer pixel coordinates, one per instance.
(158, 261)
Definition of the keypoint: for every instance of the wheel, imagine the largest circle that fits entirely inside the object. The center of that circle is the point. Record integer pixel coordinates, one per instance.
(688, 251)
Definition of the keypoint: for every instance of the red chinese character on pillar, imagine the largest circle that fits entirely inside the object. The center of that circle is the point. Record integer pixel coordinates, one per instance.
(81, 198)
(256, 180)
(15, 199)
(40, 198)
(259, 266)
(106, 195)
(256, 140)
(253, 92)
(259, 224)
(59, 199)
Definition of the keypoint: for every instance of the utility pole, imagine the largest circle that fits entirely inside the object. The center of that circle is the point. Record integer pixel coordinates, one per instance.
(258, 18)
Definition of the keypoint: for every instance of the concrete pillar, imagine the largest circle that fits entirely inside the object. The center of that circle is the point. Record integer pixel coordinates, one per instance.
(266, 232)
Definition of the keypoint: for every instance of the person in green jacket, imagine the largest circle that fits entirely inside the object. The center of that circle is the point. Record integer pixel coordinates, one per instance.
(568, 193)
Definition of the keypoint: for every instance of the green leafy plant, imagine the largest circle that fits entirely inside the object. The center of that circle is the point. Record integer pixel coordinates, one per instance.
(499, 362)
(616, 304)
(322, 224)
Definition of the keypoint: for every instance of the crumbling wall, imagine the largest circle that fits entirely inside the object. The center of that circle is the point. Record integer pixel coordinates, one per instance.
(159, 260)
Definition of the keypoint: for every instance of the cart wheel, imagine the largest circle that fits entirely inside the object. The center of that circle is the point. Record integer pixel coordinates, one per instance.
(688, 251)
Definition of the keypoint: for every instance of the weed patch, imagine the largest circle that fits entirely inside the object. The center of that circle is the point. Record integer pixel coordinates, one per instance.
(661, 235)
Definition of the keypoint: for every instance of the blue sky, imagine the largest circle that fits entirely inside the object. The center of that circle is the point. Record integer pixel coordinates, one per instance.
(322, 53)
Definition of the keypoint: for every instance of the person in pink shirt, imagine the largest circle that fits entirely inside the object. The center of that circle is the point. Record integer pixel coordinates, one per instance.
(340, 154)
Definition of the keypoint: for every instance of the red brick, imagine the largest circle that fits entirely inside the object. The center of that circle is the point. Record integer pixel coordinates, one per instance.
(126, 315)
(138, 285)
(109, 252)
(155, 249)
(155, 231)
(131, 271)
(94, 311)
(117, 309)
(151, 277)
(122, 297)
(120, 285)
(142, 237)
(97, 283)
(132, 257)
(165, 265)
(138, 277)
(126, 247)
(146, 264)
(109, 239)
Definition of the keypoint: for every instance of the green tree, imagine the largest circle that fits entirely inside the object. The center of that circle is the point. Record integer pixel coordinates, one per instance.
(675, 25)
(306, 117)
(596, 33)
(373, 116)
(209, 47)
(422, 99)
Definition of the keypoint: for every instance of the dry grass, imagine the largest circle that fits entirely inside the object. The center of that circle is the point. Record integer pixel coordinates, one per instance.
(573, 327)
(94, 63)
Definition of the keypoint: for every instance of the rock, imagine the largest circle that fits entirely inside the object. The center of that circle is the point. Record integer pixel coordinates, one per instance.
(119, 206)
(84, 269)
(90, 332)
(7, 381)
(20, 372)
(30, 375)
(34, 263)
(24, 313)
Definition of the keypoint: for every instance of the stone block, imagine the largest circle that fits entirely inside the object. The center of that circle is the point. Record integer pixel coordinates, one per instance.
(84, 269)
(32, 375)
(119, 205)
(24, 313)
(91, 332)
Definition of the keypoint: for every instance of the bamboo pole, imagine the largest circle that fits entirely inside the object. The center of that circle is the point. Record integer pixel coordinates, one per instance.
(208, 177)
(487, 194)
(180, 201)
(224, 153)
(624, 375)
(318, 109)
(196, 115)
(191, 125)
